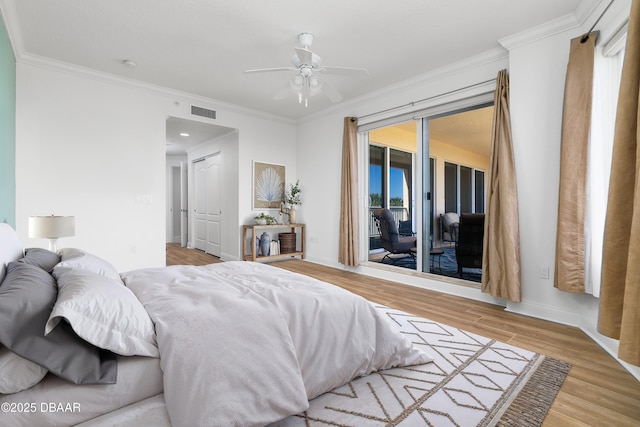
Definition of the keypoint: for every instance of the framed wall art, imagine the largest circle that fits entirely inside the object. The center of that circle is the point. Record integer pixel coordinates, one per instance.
(268, 185)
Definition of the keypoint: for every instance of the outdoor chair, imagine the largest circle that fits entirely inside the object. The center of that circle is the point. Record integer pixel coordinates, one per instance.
(392, 241)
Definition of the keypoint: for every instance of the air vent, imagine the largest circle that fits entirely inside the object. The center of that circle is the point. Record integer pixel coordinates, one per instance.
(203, 112)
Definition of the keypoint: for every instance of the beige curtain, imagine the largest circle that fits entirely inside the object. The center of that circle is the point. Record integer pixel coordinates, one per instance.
(572, 200)
(620, 292)
(348, 251)
(501, 251)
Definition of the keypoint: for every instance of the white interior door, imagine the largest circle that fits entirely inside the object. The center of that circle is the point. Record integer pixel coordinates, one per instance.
(183, 205)
(208, 208)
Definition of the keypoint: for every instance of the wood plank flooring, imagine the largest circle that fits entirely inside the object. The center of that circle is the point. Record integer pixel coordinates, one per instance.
(597, 392)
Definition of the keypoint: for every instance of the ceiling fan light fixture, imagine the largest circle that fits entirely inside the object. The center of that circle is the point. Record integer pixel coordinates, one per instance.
(305, 39)
(315, 86)
(307, 65)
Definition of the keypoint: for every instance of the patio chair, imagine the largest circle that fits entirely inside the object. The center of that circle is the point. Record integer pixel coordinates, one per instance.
(470, 241)
(392, 242)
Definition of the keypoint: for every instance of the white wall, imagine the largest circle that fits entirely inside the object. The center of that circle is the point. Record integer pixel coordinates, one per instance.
(93, 146)
(89, 149)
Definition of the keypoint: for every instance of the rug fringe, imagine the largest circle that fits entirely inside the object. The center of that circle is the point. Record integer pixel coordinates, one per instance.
(542, 388)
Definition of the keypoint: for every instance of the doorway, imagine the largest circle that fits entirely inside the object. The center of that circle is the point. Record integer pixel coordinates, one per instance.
(187, 140)
(177, 220)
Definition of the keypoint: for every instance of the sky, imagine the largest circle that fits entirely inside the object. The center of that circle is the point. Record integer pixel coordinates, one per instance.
(375, 181)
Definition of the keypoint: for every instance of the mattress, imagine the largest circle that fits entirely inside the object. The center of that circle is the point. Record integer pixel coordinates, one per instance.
(56, 402)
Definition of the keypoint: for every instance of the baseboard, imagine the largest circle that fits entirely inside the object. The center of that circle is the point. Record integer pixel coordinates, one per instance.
(609, 345)
(544, 312)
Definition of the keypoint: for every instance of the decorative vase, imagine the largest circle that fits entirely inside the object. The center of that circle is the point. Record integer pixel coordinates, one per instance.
(265, 244)
(292, 214)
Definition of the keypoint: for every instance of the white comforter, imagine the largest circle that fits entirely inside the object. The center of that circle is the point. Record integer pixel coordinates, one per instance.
(248, 344)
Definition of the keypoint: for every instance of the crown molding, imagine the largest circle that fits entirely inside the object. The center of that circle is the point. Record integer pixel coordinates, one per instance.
(175, 95)
(559, 25)
(586, 12)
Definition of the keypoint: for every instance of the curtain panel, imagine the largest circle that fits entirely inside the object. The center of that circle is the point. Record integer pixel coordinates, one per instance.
(501, 246)
(572, 198)
(349, 229)
(619, 315)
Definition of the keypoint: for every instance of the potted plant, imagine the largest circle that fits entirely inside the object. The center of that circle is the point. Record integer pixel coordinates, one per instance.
(264, 219)
(293, 198)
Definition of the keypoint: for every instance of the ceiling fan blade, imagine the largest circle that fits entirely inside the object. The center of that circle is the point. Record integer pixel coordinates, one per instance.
(343, 71)
(305, 56)
(332, 92)
(268, 70)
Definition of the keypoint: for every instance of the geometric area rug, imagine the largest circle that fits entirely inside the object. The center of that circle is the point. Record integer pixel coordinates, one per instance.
(472, 381)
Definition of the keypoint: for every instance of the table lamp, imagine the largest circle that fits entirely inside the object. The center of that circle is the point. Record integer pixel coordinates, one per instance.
(52, 228)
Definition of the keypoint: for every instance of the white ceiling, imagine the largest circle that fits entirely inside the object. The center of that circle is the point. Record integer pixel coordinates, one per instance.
(203, 46)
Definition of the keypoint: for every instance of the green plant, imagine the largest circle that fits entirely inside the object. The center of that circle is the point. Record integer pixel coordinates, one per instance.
(270, 220)
(293, 195)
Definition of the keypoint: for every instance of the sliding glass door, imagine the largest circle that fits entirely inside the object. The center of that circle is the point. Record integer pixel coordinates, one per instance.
(392, 178)
(454, 157)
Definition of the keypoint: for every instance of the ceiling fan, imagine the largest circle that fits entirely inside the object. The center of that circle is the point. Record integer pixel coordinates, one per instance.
(307, 81)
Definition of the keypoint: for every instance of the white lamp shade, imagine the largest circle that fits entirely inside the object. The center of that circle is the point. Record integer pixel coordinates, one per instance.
(52, 227)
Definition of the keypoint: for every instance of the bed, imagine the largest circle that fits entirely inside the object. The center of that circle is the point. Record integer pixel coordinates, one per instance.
(233, 343)
(238, 344)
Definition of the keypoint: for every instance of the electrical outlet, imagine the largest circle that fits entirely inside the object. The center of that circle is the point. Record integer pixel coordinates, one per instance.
(544, 272)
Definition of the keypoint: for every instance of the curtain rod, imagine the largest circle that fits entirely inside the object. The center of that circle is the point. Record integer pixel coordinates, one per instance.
(411, 104)
(585, 37)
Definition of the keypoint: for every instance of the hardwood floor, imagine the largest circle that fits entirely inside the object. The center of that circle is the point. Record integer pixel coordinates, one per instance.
(597, 392)
(177, 255)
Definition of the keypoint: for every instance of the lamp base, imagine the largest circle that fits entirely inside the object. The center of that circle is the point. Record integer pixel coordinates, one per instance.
(53, 245)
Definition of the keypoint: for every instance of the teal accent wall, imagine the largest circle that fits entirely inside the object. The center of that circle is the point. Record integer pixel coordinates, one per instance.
(7, 129)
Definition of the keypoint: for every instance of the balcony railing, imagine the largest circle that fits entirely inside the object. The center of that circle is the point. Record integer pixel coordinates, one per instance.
(399, 214)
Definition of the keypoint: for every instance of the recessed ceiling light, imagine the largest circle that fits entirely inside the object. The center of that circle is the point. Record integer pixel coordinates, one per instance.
(184, 134)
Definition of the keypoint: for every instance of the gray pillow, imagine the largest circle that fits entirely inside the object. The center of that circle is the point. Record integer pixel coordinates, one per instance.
(42, 258)
(27, 296)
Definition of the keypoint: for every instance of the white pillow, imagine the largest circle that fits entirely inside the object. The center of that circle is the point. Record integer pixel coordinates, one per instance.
(16, 373)
(81, 260)
(103, 312)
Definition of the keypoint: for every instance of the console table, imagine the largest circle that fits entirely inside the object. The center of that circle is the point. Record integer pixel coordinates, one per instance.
(255, 229)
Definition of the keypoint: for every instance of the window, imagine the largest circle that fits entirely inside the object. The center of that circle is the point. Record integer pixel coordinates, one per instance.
(390, 186)
(450, 187)
(377, 177)
(464, 189)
